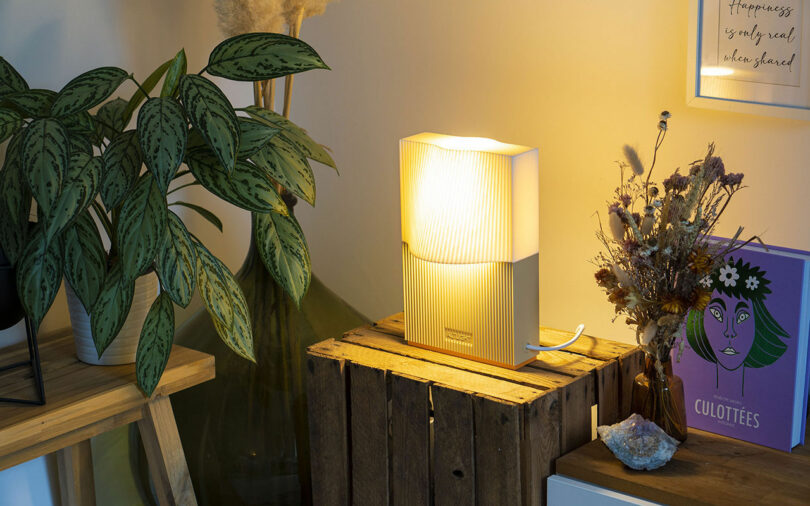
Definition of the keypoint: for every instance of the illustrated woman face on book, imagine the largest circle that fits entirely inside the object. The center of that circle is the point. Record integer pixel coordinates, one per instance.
(736, 330)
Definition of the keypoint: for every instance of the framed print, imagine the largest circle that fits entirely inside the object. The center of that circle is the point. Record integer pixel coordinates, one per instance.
(750, 56)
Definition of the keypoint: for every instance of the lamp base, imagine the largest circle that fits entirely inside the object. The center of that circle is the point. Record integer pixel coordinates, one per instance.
(486, 311)
(513, 367)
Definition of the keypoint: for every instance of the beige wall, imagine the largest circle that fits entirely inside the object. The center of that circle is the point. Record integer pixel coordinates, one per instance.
(576, 79)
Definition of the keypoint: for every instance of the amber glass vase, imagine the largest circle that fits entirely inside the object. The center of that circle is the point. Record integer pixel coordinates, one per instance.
(245, 433)
(660, 399)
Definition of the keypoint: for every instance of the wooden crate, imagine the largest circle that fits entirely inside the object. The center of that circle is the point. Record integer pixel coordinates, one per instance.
(395, 424)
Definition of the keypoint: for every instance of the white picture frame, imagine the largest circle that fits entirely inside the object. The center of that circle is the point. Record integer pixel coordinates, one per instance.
(786, 95)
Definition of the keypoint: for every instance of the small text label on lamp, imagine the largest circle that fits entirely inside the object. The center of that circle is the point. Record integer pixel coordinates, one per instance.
(470, 236)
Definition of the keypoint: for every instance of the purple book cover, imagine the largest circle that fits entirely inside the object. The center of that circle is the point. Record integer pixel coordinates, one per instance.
(740, 355)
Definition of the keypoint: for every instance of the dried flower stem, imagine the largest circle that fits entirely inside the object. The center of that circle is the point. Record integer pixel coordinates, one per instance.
(295, 31)
(269, 93)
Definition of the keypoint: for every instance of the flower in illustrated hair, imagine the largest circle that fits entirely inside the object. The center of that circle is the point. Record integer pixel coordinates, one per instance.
(728, 275)
(706, 281)
(665, 115)
(632, 158)
(752, 283)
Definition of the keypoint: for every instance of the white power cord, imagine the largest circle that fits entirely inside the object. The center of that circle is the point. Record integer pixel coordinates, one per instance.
(577, 333)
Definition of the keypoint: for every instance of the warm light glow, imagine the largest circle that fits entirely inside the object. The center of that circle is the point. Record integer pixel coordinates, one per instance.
(716, 71)
(468, 199)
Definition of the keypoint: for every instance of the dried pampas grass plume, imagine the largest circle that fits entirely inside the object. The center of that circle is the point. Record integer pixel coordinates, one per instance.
(293, 8)
(246, 16)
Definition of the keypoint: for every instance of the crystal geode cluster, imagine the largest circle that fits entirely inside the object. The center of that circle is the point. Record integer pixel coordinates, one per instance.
(639, 443)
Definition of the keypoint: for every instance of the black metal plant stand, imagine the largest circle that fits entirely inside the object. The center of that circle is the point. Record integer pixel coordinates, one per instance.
(36, 368)
(11, 312)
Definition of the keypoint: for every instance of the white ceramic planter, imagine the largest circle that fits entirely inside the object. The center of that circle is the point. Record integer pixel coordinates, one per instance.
(125, 345)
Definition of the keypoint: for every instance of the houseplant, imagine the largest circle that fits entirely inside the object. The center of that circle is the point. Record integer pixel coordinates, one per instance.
(251, 444)
(83, 168)
(656, 252)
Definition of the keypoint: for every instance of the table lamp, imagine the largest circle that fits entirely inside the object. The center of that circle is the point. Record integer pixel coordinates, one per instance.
(470, 237)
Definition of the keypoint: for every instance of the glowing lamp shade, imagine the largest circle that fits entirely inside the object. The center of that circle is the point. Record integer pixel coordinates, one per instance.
(470, 234)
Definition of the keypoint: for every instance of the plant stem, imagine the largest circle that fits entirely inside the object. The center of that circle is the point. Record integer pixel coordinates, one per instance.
(145, 93)
(104, 219)
(257, 94)
(295, 31)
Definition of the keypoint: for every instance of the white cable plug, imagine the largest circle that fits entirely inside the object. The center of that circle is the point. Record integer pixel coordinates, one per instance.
(577, 333)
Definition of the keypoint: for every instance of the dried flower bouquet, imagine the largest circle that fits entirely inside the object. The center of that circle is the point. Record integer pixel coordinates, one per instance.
(657, 254)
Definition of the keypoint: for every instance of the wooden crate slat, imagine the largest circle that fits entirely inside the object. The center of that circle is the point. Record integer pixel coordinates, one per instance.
(567, 363)
(541, 445)
(534, 377)
(607, 392)
(410, 440)
(630, 364)
(589, 346)
(393, 325)
(369, 421)
(497, 451)
(454, 457)
(328, 432)
(576, 400)
(457, 378)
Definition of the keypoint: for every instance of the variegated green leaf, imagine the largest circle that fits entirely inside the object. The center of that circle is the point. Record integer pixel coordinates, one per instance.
(15, 203)
(111, 309)
(32, 103)
(205, 213)
(288, 167)
(141, 226)
(10, 79)
(148, 85)
(85, 261)
(225, 303)
(80, 123)
(155, 344)
(247, 187)
(177, 262)
(255, 136)
(212, 284)
(78, 191)
(260, 56)
(39, 274)
(294, 134)
(88, 90)
(177, 69)
(211, 114)
(122, 165)
(110, 118)
(284, 252)
(45, 155)
(10, 123)
(162, 131)
(80, 144)
(239, 336)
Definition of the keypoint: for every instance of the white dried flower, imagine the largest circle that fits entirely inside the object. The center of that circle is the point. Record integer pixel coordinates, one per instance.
(616, 226)
(632, 158)
(649, 333)
(310, 8)
(246, 16)
(622, 276)
(647, 225)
